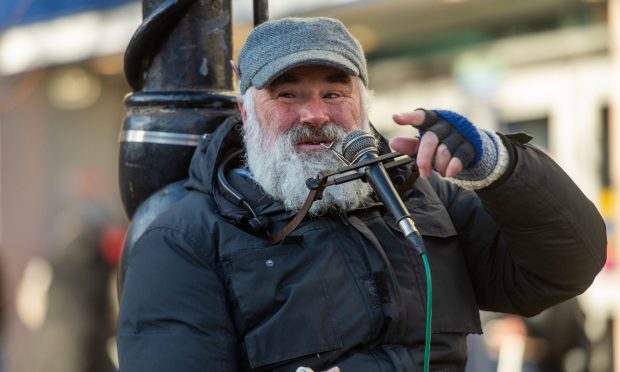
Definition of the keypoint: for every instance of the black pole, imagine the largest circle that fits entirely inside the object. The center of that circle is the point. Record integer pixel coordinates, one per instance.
(177, 65)
(261, 11)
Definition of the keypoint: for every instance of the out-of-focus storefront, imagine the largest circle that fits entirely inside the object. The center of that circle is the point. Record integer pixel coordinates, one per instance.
(61, 92)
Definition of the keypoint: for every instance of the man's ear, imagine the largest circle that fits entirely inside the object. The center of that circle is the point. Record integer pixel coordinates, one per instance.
(244, 113)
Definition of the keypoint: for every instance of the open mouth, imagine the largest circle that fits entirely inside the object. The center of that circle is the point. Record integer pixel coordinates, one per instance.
(313, 143)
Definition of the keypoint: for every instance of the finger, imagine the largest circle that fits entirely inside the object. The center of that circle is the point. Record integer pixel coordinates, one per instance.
(426, 153)
(333, 369)
(430, 119)
(453, 141)
(455, 166)
(466, 153)
(442, 129)
(405, 145)
(442, 158)
(415, 117)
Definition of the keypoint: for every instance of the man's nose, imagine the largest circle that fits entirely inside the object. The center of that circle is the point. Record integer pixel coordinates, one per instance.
(314, 112)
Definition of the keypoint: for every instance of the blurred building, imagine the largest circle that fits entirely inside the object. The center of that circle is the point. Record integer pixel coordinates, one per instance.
(541, 66)
(61, 91)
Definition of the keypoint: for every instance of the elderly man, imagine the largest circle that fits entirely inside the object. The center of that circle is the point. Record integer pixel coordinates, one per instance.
(209, 288)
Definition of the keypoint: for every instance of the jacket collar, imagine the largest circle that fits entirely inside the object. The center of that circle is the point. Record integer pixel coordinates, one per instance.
(203, 175)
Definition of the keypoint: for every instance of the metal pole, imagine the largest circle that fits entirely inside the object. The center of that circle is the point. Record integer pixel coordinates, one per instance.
(261, 11)
(177, 65)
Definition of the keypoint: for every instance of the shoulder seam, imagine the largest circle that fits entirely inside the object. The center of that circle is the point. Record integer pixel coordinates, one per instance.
(187, 236)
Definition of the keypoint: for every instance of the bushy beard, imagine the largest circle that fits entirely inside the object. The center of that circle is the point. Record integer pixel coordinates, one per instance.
(282, 171)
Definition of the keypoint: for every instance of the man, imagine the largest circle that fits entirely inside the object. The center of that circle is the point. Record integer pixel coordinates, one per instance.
(207, 287)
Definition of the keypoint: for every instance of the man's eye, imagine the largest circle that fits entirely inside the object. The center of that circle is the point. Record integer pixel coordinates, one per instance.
(286, 95)
(332, 95)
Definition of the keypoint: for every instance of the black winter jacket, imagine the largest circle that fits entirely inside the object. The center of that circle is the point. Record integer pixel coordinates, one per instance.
(202, 293)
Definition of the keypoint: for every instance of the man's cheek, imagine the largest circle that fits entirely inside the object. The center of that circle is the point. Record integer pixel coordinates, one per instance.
(270, 139)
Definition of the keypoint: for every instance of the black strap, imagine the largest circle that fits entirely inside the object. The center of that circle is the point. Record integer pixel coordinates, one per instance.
(280, 235)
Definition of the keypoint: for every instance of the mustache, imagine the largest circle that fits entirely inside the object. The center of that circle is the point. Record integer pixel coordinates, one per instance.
(331, 131)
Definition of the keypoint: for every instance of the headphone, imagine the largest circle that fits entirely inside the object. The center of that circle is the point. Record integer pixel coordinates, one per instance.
(257, 224)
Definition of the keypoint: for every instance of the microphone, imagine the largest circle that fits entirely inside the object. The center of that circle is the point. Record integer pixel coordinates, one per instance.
(359, 146)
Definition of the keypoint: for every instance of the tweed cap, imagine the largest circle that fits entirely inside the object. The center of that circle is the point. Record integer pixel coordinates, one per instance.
(276, 46)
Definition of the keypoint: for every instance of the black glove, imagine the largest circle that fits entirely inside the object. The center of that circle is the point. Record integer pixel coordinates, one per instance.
(482, 152)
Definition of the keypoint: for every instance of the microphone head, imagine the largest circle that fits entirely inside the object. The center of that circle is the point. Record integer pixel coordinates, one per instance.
(357, 143)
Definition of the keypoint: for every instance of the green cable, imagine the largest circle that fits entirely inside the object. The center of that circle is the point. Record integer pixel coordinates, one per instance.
(429, 311)
(418, 243)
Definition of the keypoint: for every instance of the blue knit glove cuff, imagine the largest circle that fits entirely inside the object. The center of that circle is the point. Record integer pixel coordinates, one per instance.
(467, 130)
(491, 158)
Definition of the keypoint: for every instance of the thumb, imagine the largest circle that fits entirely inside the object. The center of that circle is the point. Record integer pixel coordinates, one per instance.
(415, 117)
(405, 145)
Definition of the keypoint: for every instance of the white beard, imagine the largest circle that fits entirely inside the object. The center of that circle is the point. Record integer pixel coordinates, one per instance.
(282, 171)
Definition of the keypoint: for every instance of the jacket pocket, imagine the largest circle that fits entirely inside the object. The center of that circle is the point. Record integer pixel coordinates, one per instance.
(283, 301)
(455, 309)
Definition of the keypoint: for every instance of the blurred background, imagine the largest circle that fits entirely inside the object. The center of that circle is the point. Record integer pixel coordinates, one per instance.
(547, 67)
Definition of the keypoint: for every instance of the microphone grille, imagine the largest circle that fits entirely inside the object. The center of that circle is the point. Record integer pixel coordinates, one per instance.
(356, 143)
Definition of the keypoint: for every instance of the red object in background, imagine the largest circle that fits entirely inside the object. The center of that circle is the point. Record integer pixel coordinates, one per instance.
(610, 263)
(111, 244)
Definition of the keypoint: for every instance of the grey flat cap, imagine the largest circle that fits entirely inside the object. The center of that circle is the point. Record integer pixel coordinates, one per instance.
(276, 46)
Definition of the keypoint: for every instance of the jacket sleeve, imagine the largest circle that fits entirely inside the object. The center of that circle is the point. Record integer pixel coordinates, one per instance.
(173, 310)
(532, 239)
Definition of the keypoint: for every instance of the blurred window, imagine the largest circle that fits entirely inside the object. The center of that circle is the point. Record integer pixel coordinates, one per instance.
(537, 128)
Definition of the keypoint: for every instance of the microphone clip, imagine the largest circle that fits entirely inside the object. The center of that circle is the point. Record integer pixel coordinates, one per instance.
(346, 174)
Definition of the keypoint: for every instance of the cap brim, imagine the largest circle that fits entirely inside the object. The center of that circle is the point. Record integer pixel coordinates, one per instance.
(307, 57)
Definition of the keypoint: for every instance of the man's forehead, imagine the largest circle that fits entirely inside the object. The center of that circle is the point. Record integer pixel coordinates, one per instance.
(327, 73)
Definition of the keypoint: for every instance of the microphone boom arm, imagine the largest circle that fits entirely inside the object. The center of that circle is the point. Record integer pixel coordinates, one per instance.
(322, 178)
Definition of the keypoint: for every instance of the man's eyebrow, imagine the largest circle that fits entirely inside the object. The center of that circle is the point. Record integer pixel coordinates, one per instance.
(339, 77)
(290, 78)
(283, 79)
